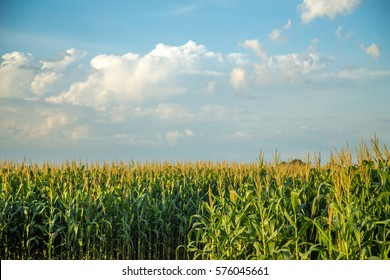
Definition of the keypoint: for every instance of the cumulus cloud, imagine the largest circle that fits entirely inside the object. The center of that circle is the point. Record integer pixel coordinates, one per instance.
(161, 73)
(41, 83)
(372, 50)
(311, 9)
(23, 76)
(132, 79)
(290, 66)
(17, 59)
(120, 85)
(87, 93)
(238, 77)
(17, 71)
(132, 96)
(342, 35)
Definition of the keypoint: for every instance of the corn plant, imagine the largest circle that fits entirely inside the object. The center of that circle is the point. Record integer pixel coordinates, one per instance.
(199, 210)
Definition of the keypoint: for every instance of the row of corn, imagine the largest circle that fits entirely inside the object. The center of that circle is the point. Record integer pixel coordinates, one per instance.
(199, 210)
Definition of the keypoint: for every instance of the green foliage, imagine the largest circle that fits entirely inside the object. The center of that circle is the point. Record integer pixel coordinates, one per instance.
(199, 210)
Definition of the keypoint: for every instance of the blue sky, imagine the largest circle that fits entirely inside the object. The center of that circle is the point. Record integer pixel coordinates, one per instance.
(191, 80)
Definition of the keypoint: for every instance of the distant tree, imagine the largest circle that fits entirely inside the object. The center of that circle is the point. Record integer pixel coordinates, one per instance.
(297, 161)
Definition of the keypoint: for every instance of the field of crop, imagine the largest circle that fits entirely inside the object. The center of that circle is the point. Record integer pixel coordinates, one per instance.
(339, 209)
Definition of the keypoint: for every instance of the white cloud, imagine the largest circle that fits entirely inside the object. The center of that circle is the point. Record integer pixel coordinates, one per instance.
(237, 77)
(63, 60)
(276, 68)
(277, 35)
(255, 46)
(17, 71)
(41, 83)
(291, 67)
(135, 94)
(104, 61)
(344, 36)
(372, 50)
(238, 58)
(39, 124)
(17, 59)
(23, 76)
(87, 93)
(132, 78)
(172, 137)
(288, 25)
(311, 9)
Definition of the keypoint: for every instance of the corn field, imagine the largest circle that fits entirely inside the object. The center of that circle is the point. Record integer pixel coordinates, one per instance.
(199, 210)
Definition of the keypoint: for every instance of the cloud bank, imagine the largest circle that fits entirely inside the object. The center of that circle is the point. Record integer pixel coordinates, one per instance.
(171, 96)
(130, 80)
